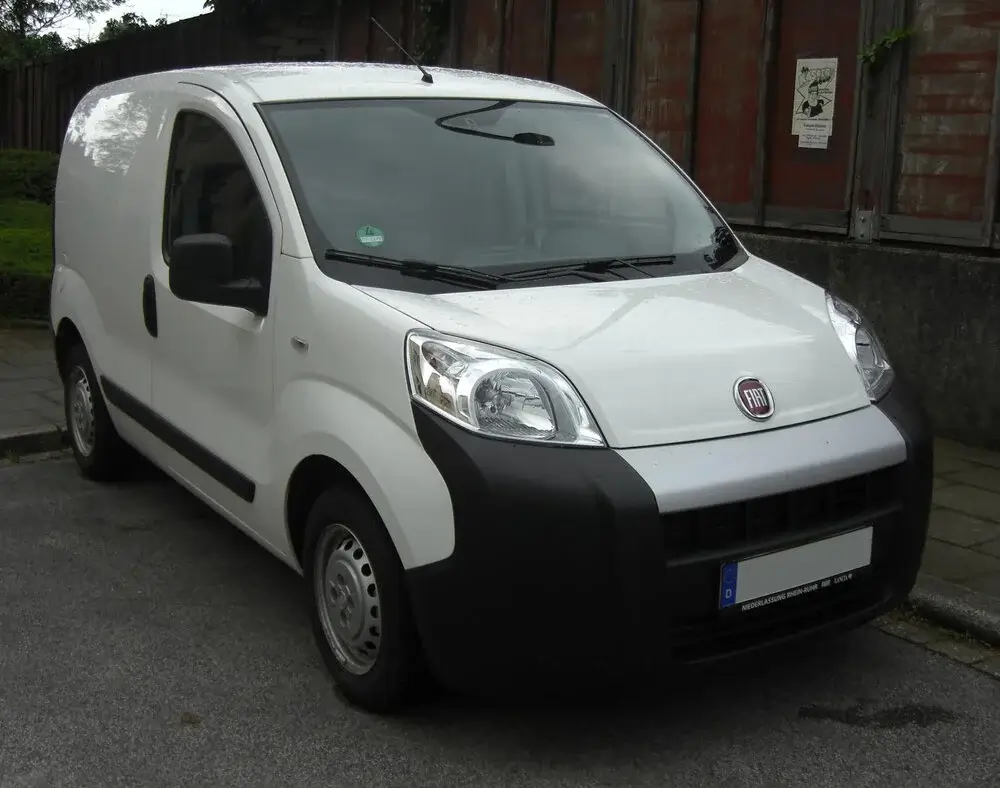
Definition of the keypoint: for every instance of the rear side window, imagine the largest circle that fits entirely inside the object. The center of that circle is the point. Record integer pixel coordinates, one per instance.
(210, 190)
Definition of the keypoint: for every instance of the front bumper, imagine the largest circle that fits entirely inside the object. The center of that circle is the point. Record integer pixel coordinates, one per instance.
(575, 565)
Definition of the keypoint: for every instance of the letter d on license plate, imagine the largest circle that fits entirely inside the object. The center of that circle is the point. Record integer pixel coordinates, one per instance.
(786, 574)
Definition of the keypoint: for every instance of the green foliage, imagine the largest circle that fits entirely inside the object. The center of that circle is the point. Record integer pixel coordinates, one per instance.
(28, 27)
(24, 215)
(26, 251)
(24, 296)
(14, 50)
(25, 259)
(874, 54)
(22, 19)
(25, 267)
(28, 175)
(128, 23)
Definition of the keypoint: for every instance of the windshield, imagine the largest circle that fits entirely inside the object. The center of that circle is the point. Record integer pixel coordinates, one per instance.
(495, 186)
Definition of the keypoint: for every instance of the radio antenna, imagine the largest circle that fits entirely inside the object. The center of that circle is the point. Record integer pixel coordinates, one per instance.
(426, 74)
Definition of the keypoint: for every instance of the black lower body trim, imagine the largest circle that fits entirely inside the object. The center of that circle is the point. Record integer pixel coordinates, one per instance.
(903, 408)
(224, 473)
(562, 573)
(557, 567)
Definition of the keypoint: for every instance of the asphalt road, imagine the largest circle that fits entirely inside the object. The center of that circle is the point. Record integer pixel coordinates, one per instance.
(143, 641)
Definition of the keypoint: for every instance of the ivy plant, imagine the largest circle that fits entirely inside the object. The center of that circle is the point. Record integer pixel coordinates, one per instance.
(874, 54)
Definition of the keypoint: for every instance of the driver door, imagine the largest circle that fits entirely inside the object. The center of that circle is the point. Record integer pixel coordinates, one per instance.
(212, 372)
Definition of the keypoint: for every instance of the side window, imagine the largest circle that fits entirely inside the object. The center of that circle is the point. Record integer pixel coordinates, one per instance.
(210, 190)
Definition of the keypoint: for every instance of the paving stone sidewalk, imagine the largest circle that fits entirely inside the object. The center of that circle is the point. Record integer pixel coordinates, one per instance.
(963, 547)
(30, 391)
(964, 542)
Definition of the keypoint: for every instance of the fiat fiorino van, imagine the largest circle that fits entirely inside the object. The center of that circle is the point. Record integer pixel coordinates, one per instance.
(478, 360)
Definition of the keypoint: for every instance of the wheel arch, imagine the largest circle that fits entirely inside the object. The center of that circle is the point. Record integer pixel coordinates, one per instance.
(313, 476)
(67, 336)
(329, 434)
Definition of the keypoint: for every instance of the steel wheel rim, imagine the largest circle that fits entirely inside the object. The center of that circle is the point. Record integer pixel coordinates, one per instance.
(347, 596)
(82, 412)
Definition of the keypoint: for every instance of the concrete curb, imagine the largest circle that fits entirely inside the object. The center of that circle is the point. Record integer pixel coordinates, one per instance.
(959, 608)
(17, 323)
(33, 441)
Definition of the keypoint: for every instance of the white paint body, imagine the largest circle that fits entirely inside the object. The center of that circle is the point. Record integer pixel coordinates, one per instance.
(654, 360)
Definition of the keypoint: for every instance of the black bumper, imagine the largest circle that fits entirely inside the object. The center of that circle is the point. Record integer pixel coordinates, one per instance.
(565, 571)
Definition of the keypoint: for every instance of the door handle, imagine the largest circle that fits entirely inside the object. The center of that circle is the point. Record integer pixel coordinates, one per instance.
(149, 305)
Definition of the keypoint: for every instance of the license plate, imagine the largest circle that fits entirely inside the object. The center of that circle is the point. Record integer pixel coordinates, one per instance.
(787, 574)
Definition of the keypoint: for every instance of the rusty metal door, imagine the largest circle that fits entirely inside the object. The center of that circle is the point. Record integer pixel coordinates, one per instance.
(940, 182)
(576, 43)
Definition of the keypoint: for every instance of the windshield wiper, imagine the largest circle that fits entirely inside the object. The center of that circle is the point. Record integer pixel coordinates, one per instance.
(421, 269)
(599, 265)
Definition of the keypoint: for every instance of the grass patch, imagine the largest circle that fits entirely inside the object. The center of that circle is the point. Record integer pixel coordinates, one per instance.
(26, 252)
(25, 237)
(25, 215)
(28, 175)
(25, 258)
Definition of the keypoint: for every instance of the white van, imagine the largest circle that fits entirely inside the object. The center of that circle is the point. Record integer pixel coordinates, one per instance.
(475, 357)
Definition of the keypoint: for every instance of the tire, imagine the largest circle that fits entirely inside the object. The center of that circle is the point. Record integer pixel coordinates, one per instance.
(359, 609)
(100, 452)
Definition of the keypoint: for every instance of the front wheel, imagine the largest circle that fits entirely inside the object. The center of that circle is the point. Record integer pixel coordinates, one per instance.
(359, 609)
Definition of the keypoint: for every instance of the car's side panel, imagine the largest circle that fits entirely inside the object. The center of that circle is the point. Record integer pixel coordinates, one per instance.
(345, 399)
(341, 392)
(205, 486)
(212, 379)
(385, 457)
(102, 209)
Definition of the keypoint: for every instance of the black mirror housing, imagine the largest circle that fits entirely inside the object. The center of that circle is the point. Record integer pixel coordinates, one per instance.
(205, 259)
(202, 270)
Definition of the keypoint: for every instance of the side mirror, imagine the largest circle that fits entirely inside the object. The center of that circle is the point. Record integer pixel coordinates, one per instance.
(201, 270)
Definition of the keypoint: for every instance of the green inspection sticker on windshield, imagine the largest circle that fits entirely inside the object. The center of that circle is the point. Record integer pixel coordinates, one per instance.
(370, 236)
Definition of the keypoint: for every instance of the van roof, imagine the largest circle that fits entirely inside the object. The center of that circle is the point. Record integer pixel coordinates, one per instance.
(290, 81)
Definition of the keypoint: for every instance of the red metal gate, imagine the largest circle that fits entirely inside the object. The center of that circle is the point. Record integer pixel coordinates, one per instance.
(735, 92)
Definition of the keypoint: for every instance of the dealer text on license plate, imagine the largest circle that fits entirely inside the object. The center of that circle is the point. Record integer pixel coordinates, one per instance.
(787, 574)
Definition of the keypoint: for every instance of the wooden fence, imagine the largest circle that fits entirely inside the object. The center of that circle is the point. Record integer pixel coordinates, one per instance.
(37, 99)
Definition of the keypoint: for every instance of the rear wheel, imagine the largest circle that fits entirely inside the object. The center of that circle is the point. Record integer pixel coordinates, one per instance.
(359, 609)
(100, 452)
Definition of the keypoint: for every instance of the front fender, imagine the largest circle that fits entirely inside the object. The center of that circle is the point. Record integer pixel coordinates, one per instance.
(381, 452)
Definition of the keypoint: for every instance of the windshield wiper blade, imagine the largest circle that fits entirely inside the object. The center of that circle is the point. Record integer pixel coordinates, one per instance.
(420, 268)
(597, 265)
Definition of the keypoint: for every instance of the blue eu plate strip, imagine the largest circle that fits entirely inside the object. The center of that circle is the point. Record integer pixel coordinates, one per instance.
(727, 593)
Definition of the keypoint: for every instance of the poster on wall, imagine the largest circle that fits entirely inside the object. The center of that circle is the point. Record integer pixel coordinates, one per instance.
(815, 97)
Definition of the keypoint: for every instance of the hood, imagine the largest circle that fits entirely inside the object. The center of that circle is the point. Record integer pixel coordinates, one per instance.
(656, 360)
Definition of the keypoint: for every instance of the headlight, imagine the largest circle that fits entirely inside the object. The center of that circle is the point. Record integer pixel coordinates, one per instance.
(862, 346)
(497, 392)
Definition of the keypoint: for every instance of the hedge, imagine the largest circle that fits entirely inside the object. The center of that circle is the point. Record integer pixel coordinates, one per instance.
(25, 258)
(24, 215)
(26, 251)
(24, 296)
(28, 175)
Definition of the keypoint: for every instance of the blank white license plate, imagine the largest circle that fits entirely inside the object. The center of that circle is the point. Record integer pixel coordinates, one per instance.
(787, 574)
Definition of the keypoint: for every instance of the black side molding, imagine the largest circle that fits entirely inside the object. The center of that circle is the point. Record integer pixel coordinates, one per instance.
(224, 473)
